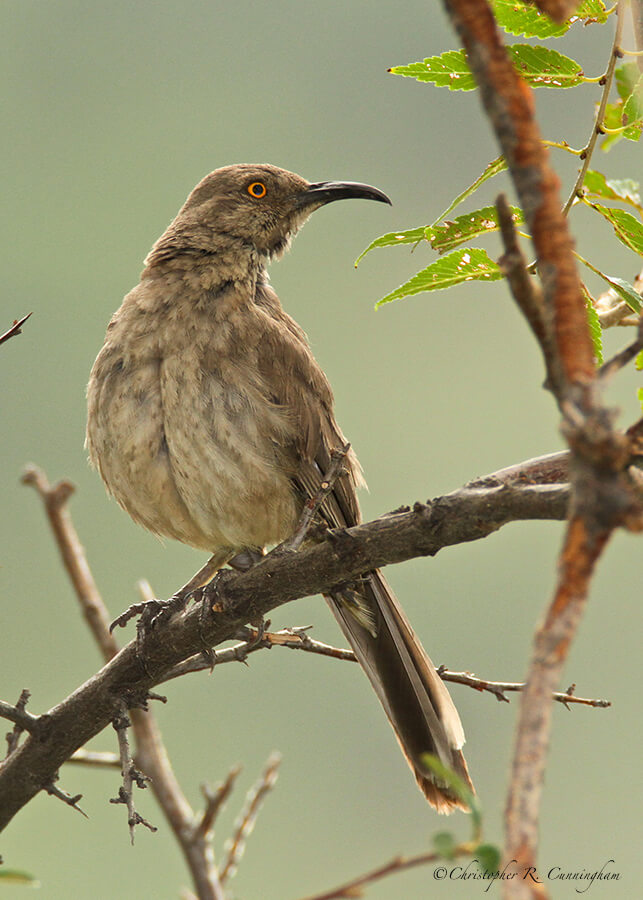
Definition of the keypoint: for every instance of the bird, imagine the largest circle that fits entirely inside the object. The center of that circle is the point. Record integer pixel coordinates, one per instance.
(210, 422)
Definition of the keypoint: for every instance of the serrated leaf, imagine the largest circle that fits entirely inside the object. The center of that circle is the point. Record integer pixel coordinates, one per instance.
(595, 329)
(628, 229)
(445, 844)
(450, 69)
(517, 17)
(417, 234)
(488, 856)
(624, 289)
(625, 189)
(539, 66)
(590, 11)
(468, 264)
(494, 168)
(449, 234)
(412, 236)
(542, 67)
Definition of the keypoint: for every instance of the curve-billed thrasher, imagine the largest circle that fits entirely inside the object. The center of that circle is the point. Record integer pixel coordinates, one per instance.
(211, 422)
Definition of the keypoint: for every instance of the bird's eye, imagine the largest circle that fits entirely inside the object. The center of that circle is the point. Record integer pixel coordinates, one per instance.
(257, 189)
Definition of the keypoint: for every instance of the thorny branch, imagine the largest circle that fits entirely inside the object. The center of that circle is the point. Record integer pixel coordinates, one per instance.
(467, 514)
(131, 775)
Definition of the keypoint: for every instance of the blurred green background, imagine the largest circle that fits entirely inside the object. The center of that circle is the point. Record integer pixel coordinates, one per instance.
(111, 113)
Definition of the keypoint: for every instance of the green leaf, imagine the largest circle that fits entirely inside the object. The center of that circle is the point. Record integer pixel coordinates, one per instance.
(468, 264)
(393, 238)
(594, 326)
(488, 856)
(445, 844)
(640, 396)
(413, 235)
(590, 11)
(448, 235)
(13, 876)
(517, 17)
(633, 112)
(624, 289)
(638, 362)
(539, 66)
(459, 788)
(542, 67)
(450, 69)
(494, 168)
(628, 229)
(626, 77)
(624, 189)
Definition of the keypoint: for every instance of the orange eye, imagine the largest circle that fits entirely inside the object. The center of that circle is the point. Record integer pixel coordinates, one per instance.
(257, 189)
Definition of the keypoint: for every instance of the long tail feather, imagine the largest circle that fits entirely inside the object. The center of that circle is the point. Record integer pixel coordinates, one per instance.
(413, 695)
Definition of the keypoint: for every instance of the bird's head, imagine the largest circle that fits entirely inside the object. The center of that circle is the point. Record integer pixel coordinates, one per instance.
(259, 206)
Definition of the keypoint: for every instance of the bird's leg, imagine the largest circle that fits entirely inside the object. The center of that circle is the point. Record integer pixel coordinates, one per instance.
(151, 610)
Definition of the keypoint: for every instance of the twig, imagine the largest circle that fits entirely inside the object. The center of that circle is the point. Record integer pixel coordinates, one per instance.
(524, 288)
(66, 798)
(606, 81)
(131, 775)
(214, 801)
(22, 720)
(15, 329)
(353, 888)
(96, 758)
(499, 688)
(55, 499)
(246, 822)
(313, 504)
(625, 356)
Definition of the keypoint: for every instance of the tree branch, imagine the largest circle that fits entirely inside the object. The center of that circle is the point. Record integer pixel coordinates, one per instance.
(464, 515)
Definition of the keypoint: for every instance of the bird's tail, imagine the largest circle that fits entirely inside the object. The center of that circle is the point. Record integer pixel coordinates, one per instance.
(413, 695)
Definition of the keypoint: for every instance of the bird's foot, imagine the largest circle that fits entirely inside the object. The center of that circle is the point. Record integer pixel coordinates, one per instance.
(151, 612)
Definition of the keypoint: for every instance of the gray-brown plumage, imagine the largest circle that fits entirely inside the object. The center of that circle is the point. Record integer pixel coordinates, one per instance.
(211, 422)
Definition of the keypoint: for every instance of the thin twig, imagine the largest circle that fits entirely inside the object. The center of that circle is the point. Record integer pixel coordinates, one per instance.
(606, 81)
(525, 289)
(246, 822)
(353, 888)
(214, 802)
(66, 798)
(623, 357)
(15, 329)
(499, 688)
(22, 720)
(96, 758)
(131, 775)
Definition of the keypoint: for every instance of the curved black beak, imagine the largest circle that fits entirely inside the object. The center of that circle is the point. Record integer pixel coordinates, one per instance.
(327, 191)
